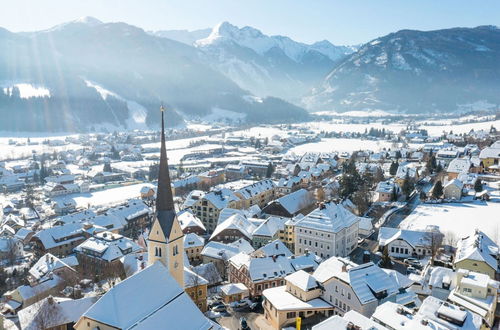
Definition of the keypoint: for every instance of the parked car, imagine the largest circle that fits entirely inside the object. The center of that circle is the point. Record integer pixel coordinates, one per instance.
(413, 262)
(411, 270)
(239, 304)
(244, 324)
(219, 308)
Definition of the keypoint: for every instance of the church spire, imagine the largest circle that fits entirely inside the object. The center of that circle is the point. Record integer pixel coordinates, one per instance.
(164, 198)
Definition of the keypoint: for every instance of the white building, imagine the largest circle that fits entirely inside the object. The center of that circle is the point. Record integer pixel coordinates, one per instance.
(403, 243)
(330, 230)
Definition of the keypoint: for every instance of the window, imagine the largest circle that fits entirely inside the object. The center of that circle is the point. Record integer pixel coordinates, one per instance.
(290, 315)
(348, 295)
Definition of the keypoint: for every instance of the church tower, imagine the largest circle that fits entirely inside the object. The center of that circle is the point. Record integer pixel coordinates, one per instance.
(165, 241)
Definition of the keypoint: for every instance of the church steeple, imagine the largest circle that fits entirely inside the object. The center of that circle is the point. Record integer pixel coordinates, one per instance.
(164, 198)
(165, 240)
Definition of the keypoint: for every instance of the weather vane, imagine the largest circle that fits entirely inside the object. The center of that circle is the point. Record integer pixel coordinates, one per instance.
(162, 108)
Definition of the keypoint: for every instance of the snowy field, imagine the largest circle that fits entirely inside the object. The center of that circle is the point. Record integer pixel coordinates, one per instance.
(460, 218)
(342, 145)
(106, 197)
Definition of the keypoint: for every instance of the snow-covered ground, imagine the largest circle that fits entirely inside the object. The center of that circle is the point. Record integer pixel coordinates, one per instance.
(27, 91)
(341, 145)
(107, 197)
(459, 218)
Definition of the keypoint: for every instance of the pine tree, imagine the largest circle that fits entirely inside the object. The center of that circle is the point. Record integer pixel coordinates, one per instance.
(107, 168)
(394, 168)
(407, 187)
(437, 192)
(270, 170)
(385, 262)
(478, 186)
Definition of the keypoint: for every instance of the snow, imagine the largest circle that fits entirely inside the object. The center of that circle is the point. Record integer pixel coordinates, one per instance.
(218, 115)
(137, 113)
(340, 145)
(461, 219)
(27, 91)
(283, 300)
(106, 197)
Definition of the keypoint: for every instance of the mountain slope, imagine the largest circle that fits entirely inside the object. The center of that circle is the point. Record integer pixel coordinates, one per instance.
(269, 65)
(112, 73)
(414, 71)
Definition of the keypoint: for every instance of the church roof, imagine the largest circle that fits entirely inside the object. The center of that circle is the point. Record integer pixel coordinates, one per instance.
(165, 211)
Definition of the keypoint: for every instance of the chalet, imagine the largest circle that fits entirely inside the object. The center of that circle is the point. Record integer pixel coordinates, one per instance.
(290, 205)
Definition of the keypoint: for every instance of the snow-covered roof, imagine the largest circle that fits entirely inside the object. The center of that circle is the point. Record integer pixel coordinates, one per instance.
(415, 238)
(490, 152)
(145, 300)
(62, 311)
(193, 240)
(338, 322)
(224, 251)
(256, 188)
(187, 219)
(459, 165)
(455, 182)
(439, 275)
(477, 247)
(302, 280)
(233, 288)
(295, 201)
(192, 279)
(270, 226)
(330, 217)
(285, 301)
(192, 198)
(209, 272)
(221, 198)
(47, 264)
(235, 222)
(60, 235)
(26, 291)
(108, 246)
(274, 248)
(432, 307)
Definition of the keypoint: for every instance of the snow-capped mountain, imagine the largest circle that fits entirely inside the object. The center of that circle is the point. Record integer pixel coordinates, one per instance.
(269, 65)
(415, 71)
(93, 73)
(184, 36)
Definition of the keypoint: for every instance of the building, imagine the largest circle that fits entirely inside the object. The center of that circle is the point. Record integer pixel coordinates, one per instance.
(233, 228)
(100, 254)
(490, 156)
(458, 166)
(233, 292)
(190, 223)
(219, 253)
(386, 191)
(268, 231)
(196, 287)
(351, 320)
(477, 253)
(477, 293)
(362, 288)
(54, 313)
(300, 296)
(404, 243)
(432, 314)
(193, 245)
(166, 239)
(453, 189)
(59, 240)
(329, 230)
(145, 301)
(208, 206)
(290, 205)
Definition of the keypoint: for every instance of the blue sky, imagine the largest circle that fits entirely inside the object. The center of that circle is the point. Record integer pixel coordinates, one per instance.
(342, 22)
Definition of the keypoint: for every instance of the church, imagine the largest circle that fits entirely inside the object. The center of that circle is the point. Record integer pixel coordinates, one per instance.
(165, 241)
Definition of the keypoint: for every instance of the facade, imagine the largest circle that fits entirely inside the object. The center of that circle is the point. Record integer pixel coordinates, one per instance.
(329, 230)
(208, 207)
(290, 205)
(196, 288)
(258, 193)
(477, 253)
(193, 245)
(404, 243)
(453, 189)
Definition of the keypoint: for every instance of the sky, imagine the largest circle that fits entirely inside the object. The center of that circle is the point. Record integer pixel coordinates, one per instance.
(342, 22)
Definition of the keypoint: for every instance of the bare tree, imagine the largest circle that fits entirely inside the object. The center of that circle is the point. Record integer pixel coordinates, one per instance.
(12, 252)
(70, 278)
(320, 194)
(47, 314)
(435, 242)
(451, 238)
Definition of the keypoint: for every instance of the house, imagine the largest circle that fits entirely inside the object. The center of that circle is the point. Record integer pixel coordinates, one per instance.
(209, 272)
(190, 223)
(196, 287)
(386, 191)
(219, 253)
(50, 264)
(290, 205)
(268, 231)
(453, 189)
(54, 313)
(362, 288)
(233, 292)
(193, 245)
(404, 243)
(26, 295)
(60, 240)
(458, 166)
(100, 254)
(490, 156)
(300, 296)
(257, 193)
(288, 235)
(329, 230)
(477, 293)
(11, 248)
(273, 248)
(144, 301)
(432, 314)
(208, 207)
(260, 273)
(477, 253)
(233, 228)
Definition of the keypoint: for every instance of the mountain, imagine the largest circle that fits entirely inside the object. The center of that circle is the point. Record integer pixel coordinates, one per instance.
(86, 73)
(414, 71)
(269, 65)
(184, 36)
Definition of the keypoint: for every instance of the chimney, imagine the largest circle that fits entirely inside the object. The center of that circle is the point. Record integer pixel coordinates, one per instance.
(50, 300)
(344, 268)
